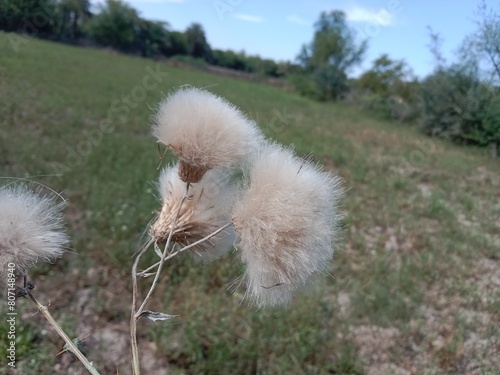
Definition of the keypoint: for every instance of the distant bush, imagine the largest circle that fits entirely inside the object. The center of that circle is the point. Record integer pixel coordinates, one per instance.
(403, 111)
(305, 86)
(188, 60)
(391, 107)
(230, 59)
(458, 105)
(252, 64)
(388, 89)
(461, 101)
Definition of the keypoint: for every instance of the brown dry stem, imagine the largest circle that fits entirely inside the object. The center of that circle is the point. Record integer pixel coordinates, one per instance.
(136, 313)
(72, 347)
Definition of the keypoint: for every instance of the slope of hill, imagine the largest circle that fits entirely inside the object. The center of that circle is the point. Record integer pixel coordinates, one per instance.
(415, 288)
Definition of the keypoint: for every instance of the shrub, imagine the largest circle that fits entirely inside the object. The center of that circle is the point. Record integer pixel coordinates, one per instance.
(458, 105)
(305, 86)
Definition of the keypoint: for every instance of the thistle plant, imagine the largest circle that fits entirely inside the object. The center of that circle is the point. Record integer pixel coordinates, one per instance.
(31, 230)
(283, 210)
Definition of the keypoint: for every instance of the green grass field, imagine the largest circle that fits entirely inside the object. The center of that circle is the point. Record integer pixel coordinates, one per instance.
(414, 290)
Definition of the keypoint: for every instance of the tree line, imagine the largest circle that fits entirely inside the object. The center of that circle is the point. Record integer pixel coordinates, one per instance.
(459, 100)
(118, 25)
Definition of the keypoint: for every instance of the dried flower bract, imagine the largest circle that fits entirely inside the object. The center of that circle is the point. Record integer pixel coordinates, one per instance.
(204, 211)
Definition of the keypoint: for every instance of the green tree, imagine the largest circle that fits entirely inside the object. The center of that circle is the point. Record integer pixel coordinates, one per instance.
(332, 53)
(152, 38)
(268, 67)
(176, 44)
(197, 45)
(230, 59)
(486, 41)
(34, 17)
(115, 25)
(74, 13)
(383, 75)
(390, 89)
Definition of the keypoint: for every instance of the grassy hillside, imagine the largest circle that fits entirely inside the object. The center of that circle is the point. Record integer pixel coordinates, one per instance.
(415, 289)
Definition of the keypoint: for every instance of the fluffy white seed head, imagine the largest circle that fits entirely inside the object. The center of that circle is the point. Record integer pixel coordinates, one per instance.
(204, 211)
(205, 131)
(31, 229)
(287, 224)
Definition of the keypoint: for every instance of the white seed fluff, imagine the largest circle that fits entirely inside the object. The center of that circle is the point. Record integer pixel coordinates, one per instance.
(287, 224)
(204, 211)
(31, 229)
(204, 130)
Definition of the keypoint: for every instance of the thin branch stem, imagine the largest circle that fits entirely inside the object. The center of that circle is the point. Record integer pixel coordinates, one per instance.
(133, 320)
(72, 347)
(135, 314)
(214, 233)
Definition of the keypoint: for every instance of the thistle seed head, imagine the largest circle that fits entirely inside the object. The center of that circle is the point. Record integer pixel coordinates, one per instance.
(287, 224)
(205, 131)
(31, 229)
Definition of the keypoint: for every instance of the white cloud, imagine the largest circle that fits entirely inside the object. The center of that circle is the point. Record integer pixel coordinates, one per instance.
(298, 20)
(246, 17)
(380, 17)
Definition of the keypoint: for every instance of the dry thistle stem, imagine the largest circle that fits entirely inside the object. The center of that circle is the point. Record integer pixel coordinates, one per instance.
(31, 229)
(206, 209)
(287, 222)
(205, 132)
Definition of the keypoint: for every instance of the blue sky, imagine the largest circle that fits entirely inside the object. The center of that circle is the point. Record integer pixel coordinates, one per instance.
(278, 29)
